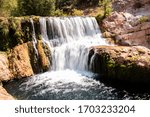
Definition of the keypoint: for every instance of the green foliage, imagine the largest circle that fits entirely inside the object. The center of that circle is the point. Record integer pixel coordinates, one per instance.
(4, 31)
(99, 17)
(8, 7)
(50, 7)
(59, 12)
(143, 19)
(14, 31)
(76, 12)
(36, 7)
(86, 3)
(107, 7)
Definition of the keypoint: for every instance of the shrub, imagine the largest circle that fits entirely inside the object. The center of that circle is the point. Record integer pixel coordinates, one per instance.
(8, 7)
(86, 3)
(99, 17)
(76, 12)
(107, 6)
(36, 7)
(59, 13)
(143, 19)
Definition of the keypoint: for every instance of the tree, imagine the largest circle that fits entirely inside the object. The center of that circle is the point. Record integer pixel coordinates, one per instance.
(87, 3)
(7, 7)
(36, 7)
(107, 7)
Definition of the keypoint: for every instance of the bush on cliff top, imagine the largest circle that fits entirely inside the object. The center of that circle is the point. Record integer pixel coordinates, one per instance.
(36, 7)
(50, 7)
(8, 7)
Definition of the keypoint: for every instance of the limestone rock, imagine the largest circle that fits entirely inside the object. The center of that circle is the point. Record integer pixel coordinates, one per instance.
(115, 23)
(5, 73)
(125, 32)
(130, 64)
(20, 61)
(44, 58)
(130, 22)
(4, 95)
(135, 38)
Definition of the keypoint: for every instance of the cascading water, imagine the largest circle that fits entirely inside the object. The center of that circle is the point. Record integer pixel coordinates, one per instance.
(34, 37)
(69, 39)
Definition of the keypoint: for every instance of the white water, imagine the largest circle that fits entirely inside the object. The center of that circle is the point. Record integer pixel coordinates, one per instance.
(69, 39)
(34, 37)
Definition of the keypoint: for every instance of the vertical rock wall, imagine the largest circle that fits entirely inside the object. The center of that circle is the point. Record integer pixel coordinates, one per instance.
(17, 54)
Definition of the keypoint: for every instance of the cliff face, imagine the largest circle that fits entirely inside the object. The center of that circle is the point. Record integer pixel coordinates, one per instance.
(18, 63)
(18, 58)
(129, 24)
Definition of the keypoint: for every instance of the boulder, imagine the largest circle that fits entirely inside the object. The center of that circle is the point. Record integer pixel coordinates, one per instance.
(131, 64)
(141, 37)
(5, 73)
(44, 56)
(20, 61)
(4, 95)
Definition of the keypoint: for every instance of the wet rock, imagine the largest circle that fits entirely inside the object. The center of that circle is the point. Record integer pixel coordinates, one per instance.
(44, 56)
(130, 64)
(34, 58)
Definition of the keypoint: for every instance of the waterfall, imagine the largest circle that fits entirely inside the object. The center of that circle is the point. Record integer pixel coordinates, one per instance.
(70, 39)
(34, 37)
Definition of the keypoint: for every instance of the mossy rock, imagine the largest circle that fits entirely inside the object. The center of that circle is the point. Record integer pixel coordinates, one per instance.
(44, 58)
(122, 63)
(16, 30)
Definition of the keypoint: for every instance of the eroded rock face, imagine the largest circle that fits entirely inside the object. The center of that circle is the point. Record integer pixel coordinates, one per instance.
(44, 56)
(5, 73)
(4, 95)
(130, 64)
(20, 62)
